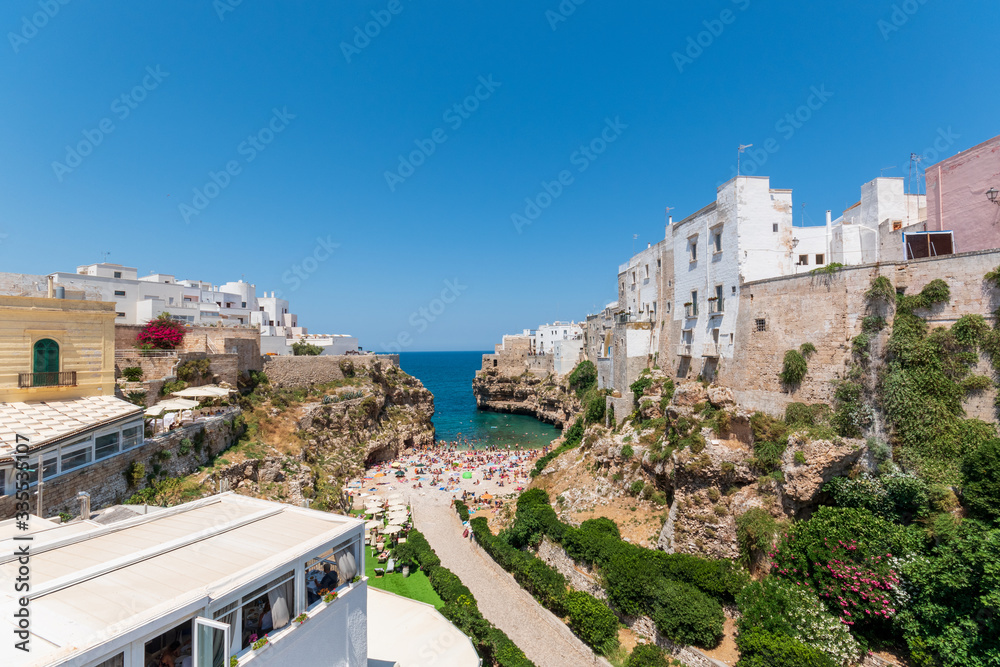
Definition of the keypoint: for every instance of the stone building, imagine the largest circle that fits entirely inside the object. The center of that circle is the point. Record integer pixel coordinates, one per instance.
(959, 199)
(58, 411)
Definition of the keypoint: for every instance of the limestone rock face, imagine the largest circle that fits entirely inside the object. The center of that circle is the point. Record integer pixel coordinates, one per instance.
(545, 399)
(720, 397)
(824, 460)
(690, 393)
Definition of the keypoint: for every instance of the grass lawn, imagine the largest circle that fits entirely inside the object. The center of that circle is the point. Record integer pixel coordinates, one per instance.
(416, 586)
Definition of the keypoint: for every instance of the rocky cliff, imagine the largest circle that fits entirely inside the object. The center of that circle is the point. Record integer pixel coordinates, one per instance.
(680, 472)
(304, 443)
(546, 399)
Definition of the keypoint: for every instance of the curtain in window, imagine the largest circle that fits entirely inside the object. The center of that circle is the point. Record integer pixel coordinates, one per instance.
(347, 565)
(227, 615)
(282, 599)
(117, 661)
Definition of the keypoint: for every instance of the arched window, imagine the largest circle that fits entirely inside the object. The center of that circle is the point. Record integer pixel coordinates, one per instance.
(46, 362)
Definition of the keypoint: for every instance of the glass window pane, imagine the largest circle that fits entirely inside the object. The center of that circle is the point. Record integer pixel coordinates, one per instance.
(106, 445)
(71, 460)
(131, 437)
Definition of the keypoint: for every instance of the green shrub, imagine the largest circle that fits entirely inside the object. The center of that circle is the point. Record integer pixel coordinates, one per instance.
(872, 324)
(347, 368)
(193, 368)
(627, 452)
(134, 473)
(596, 408)
(764, 649)
(637, 487)
(755, 530)
(639, 387)
(981, 473)
(647, 655)
(304, 349)
(799, 457)
(592, 622)
(463, 510)
(685, 615)
(881, 291)
(132, 373)
(782, 608)
(794, 368)
(975, 384)
(583, 378)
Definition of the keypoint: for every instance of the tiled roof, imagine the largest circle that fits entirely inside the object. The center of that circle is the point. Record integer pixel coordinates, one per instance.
(49, 420)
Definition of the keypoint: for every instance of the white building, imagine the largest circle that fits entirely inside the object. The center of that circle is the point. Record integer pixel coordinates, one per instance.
(332, 344)
(746, 234)
(872, 230)
(638, 284)
(547, 334)
(139, 300)
(212, 575)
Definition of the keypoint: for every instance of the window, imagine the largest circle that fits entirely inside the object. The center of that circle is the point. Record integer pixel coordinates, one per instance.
(633, 277)
(820, 259)
(113, 661)
(694, 250)
(717, 241)
(658, 263)
(718, 292)
(734, 290)
(774, 227)
(118, 274)
(46, 360)
(668, 306)
(105, 445)
(131, 437)
(897, 225)
(50, 466)
(269, 607)
(243, 304)
(119, 314)
(119, 292)
(3, 482)
(803, 260)
(760, 324)
(76, 458)
(647, 270)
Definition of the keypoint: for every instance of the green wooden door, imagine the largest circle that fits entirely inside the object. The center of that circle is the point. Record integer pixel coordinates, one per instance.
(46, 363)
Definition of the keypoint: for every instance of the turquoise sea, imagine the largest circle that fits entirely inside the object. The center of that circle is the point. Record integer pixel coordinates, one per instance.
(449, 375)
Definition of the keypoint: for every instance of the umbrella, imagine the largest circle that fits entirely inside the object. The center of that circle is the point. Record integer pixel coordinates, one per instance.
(466, 475)
(372, 524)
(391, 529)
(373, 510)
(379, 474)
(208, 391)
(397, 506)
(486, 496)
(395, 496)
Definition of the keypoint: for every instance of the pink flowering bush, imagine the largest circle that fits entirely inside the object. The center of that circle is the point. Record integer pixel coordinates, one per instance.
(162, 333)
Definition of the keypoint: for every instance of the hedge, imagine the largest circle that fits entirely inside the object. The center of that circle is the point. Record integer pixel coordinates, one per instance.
(647, 655)
(763, 649)
(461, 608)
(592, 621)
(463, 510)
(681, 593)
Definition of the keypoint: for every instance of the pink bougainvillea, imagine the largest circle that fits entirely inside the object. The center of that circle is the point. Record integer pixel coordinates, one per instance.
(162, 333)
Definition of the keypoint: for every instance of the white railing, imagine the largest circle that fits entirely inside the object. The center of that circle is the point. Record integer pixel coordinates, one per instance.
(684, 350)
(710, 350)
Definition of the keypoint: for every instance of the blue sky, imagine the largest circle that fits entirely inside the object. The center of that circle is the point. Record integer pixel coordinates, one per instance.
(220, 83)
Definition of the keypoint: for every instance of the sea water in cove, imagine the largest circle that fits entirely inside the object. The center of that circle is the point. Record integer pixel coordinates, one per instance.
(448, 375)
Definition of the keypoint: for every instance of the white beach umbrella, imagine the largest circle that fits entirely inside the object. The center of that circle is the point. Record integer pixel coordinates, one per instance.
(373, 511)
(373, 524)
(391, 529)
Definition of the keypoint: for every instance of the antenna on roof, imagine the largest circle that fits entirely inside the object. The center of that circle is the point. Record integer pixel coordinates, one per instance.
(634, 237)
(667, 213)
(104, 256)
(915, 161)
(885, 169)
(739, 153)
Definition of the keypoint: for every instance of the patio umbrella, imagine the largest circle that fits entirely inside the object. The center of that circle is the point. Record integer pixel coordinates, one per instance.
(373, 524)
(486, 496)
(391, 529)
(207, 391)
(466, 475)
(397, 506)
(373, 510)
(395, 496)
(379, 474)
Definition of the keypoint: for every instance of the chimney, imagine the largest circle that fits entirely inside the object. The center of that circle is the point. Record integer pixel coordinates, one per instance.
(51, 292)
(84, 499)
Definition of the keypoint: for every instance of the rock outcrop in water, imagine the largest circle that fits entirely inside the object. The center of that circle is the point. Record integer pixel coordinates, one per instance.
(545, 399)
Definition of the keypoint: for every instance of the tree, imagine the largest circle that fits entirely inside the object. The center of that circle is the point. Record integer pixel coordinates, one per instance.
(304, 349)
(981, 470)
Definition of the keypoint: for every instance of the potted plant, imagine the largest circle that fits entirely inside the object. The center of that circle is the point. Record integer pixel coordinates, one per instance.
(257, 644)
(301, 618)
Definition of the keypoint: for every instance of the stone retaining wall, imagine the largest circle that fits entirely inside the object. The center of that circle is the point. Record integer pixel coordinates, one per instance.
(290, 371)
(105, 480)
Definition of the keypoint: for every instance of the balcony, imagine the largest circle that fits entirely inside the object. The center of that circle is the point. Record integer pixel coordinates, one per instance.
(63, 379)
(710, 350)
(716, 306)
(684, 350)
(691, 310)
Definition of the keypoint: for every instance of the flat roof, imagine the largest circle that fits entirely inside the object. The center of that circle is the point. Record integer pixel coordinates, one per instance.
(94, 585)
(419, 637)
(46, 421)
